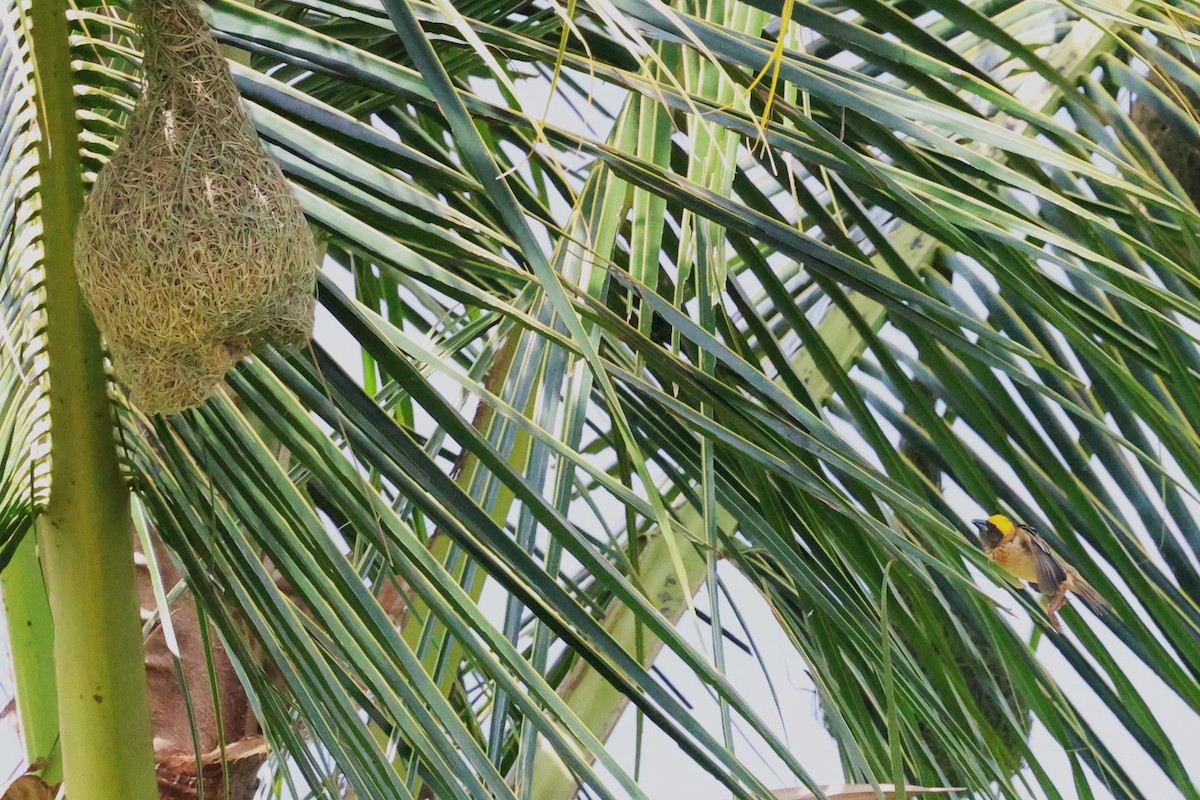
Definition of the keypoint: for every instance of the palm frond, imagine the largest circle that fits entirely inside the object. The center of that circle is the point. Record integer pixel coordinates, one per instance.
(801, 287)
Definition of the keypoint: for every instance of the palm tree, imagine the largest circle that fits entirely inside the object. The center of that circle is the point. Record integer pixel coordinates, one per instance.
(776, 289)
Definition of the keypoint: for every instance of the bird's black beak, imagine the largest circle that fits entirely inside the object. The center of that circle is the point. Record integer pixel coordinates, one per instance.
(979, 523)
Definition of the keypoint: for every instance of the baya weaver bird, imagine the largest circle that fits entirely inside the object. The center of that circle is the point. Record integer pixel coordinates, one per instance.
(1022, 553)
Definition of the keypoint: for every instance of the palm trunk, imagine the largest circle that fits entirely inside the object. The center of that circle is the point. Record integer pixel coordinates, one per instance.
(84, 541)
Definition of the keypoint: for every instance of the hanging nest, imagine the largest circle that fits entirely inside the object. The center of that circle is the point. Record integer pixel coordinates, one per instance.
(191, 249)
(1176, 146)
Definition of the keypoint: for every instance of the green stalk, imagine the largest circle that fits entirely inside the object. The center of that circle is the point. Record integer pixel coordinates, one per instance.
(431, 644)
(593, 699)
(85, 539)
(31, 641)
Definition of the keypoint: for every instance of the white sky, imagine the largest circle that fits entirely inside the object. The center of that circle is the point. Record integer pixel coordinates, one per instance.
(667, 773)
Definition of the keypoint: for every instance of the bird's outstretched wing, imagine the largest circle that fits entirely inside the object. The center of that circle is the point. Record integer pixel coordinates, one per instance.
(1050, 571)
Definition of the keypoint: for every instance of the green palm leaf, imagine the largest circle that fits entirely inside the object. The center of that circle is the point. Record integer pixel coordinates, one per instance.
(790, 290)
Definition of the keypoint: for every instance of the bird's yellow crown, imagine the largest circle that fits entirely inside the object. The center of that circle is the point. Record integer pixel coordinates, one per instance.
(1002, 523)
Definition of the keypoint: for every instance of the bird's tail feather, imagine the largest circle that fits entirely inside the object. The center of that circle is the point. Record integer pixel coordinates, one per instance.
(1091, 596)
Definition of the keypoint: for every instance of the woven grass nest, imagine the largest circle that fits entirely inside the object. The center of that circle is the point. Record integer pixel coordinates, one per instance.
(191, 249)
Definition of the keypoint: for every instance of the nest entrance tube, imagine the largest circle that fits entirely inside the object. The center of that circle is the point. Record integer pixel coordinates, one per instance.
(191, 248)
